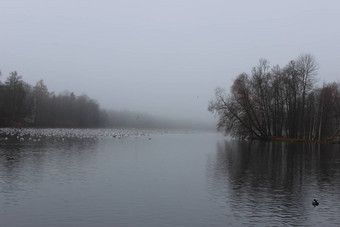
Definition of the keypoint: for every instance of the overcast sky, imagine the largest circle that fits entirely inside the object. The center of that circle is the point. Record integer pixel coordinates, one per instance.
(164, 57)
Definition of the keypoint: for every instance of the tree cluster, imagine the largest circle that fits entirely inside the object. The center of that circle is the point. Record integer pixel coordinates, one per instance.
(279, 102)
(24, 105)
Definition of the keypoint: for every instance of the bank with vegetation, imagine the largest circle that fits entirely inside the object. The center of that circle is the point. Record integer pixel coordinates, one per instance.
(274, 103)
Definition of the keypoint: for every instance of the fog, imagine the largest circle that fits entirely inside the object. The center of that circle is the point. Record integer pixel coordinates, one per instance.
(161, 57)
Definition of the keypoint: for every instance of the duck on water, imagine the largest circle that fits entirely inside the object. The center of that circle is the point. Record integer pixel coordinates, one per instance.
(315, 202)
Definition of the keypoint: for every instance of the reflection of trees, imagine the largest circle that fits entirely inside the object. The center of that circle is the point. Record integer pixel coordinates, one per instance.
(280, 178)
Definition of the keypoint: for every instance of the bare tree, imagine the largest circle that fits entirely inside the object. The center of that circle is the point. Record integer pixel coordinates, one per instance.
(14, 95)
(262, 95)
(236, 112)
(40, 103)
(278, 103)
(291, 88)
(328, 115)
(307, 70)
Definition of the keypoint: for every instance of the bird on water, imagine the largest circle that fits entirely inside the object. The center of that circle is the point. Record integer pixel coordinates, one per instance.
(315, 202)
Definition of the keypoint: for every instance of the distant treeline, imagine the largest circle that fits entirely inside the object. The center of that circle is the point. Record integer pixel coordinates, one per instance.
(279, 102)
(23, 105)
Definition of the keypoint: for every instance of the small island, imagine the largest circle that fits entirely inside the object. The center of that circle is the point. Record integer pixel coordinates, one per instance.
(274, 103)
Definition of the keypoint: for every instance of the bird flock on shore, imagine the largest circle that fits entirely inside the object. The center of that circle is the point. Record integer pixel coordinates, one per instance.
(62, 134)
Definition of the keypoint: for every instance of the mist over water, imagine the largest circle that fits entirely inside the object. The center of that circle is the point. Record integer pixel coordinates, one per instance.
(160, 57)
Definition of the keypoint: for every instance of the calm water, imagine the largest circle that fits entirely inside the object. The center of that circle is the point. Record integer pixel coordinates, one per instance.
(167, 179)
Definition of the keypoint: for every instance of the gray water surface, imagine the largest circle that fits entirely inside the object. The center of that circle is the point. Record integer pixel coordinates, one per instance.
(166, 179)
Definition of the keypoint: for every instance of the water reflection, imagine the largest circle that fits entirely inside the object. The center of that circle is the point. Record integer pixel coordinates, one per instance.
(173, 179)
(34, 162)
(276, 182)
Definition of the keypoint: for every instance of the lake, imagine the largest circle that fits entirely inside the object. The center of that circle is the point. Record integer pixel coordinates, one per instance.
(102, 177)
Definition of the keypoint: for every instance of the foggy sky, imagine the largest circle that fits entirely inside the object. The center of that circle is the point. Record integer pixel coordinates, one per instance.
(164, 57)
